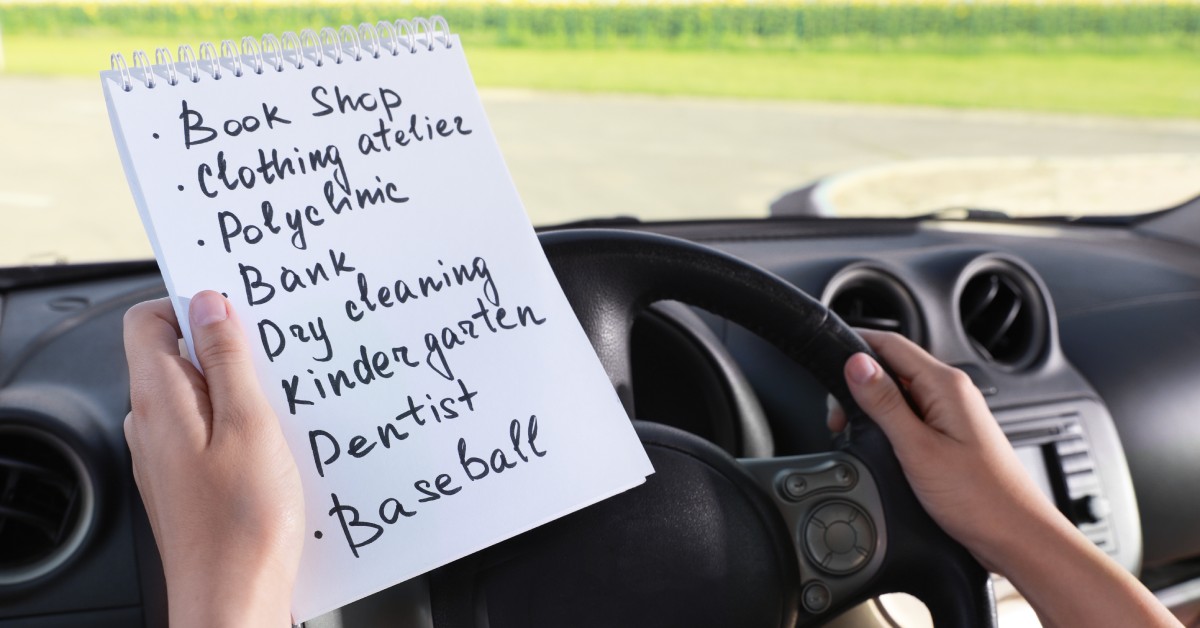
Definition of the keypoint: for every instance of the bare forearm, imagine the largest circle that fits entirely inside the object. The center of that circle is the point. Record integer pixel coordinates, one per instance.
(968, 478)
(229, 599)
(1071, 582)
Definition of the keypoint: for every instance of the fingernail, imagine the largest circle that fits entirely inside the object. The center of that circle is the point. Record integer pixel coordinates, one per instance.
(207, 308)
(861, 368)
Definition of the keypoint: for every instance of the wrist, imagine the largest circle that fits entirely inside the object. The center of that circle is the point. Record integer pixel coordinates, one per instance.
(1030, 529)
(225, 593)
(1071, 582)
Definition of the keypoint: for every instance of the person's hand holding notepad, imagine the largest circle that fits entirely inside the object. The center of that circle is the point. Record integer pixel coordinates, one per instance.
(346, 194)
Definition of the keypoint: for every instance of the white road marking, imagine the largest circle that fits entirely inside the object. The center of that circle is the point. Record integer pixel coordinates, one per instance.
(19, 199)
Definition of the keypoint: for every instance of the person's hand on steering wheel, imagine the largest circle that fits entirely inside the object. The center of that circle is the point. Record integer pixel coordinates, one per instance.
(968, 478)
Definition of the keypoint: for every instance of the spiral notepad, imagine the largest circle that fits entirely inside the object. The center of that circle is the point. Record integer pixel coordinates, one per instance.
(343, 188)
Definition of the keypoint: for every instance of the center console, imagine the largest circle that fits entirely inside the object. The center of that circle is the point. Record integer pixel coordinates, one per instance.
(1072, 451)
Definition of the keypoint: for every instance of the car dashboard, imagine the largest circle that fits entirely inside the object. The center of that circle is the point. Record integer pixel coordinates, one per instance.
(1084, 339)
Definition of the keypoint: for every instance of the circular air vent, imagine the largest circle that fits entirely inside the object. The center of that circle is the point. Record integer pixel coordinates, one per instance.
(1003, 313)
(866, 297)
(46, 503)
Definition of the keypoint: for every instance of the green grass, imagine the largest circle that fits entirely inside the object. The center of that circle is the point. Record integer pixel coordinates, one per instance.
(1158, 84)
(1165, 85)
(1120, 58)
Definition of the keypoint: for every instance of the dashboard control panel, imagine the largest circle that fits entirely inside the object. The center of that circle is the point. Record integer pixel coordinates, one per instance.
(1061, 446)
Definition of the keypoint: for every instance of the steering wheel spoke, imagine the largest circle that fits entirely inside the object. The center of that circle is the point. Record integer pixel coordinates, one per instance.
(922, 560)
(831, 505)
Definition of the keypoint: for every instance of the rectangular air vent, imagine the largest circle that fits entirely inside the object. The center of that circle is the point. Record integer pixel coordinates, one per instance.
(1060, 443)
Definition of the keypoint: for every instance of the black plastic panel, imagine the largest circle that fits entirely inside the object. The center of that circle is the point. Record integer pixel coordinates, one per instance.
(62, 369)
(1127, 332)
(106, 618)
(1127, 308)
(1146, 362)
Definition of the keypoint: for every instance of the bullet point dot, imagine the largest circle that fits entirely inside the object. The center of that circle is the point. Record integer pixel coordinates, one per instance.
(200, 242)
(318, 534)
(180, 187)
(156, 136)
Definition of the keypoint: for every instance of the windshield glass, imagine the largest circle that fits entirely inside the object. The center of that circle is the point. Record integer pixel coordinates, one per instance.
(684, 110)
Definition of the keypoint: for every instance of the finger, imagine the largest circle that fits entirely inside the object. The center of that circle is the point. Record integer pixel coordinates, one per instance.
(151, 332)
(835, 417)
(877, 394)
(925, 377)
(944, 395)
(159, 379)
(906, 358)
(224, 355)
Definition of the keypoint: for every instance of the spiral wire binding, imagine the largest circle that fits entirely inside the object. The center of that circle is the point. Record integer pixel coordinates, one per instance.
(369, 36)
(162, 56)
(330, 38)
(347, 34)
(140, 60)
(309, 36)
(250, 48)
(410, 35)
(208, 52)
(271, 45)
(188, 56)
(423, 24)
(390, 31)
(335, 44)
(230, 50)
(292, 41)
(118, 63)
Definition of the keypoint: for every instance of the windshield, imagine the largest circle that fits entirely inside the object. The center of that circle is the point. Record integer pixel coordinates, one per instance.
(684, 111)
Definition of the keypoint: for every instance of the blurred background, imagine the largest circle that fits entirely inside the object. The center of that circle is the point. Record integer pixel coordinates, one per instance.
(685, 110)
(1105, 57)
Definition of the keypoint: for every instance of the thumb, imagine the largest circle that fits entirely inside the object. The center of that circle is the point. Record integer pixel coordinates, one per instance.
(224, 355)
(877, 394)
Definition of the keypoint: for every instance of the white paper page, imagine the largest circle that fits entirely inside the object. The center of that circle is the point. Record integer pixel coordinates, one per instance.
(450, 349)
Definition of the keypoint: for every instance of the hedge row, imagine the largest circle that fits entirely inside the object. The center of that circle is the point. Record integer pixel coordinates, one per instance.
(703, 25)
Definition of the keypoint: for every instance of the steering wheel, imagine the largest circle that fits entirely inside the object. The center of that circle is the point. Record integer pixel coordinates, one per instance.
(709, 540)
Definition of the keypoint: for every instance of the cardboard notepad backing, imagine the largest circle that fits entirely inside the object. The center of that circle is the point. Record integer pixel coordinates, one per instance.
(434, 386)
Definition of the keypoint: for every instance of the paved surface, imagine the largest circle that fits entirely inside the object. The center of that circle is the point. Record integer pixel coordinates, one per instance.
(63, 194)
(1062, 185)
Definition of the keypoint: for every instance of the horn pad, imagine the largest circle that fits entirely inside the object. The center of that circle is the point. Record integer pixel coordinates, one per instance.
(697, 545)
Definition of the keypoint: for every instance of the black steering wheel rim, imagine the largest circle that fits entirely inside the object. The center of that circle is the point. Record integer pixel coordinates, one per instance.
(609, 276)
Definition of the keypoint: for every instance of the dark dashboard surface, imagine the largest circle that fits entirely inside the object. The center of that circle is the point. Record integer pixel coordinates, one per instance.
(1121, 327)
(1127, 309)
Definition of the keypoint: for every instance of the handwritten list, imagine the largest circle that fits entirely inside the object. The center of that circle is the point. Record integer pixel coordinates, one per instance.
(434, 386)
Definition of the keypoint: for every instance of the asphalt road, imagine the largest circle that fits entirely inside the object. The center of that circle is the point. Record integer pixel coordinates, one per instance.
(63, 194)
